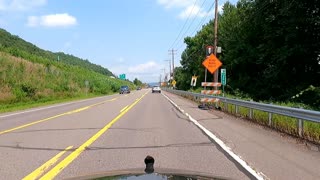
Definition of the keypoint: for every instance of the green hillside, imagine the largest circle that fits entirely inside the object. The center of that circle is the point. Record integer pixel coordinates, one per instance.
(20, 48)
(29, 74)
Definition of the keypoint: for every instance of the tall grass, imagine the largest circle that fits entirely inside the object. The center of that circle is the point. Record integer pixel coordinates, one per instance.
(311, 130)
(23, 81)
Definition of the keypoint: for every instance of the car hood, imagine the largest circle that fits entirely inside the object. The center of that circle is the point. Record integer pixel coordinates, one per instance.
(159, 174)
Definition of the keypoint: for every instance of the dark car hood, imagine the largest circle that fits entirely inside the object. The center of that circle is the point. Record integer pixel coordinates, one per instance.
(159, 174)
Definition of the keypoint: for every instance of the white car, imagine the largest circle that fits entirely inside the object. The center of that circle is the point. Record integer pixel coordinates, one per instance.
(156, 89)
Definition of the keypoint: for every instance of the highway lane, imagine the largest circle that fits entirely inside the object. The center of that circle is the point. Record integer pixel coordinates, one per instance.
(15, 119)
(27, 148)
(144, 124)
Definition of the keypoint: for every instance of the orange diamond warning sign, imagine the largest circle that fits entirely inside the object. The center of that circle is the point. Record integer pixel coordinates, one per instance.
(212, 63)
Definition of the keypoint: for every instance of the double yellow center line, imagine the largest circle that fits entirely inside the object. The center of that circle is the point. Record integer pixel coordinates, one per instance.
(42, 169)
(71, 157)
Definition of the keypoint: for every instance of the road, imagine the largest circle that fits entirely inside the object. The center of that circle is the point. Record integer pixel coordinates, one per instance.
(103, 134)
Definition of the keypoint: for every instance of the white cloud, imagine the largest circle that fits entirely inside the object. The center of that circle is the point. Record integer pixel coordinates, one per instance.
(52, 20)
(20, 5)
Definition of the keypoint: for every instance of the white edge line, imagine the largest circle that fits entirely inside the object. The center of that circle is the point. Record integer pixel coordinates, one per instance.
(227, 149)
(39, 109)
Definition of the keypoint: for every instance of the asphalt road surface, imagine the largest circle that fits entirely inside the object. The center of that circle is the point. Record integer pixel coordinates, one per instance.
(104, 134)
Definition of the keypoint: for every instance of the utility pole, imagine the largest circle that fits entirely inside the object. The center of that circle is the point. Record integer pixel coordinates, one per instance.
(172, 52)
(169, 68)
(164, 72)
(216, 74)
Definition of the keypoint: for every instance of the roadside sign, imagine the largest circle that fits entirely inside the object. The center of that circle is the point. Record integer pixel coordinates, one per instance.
(209, 50)
(174, 82)
(219, 50)
(122, 76)
(223, 77)
(212, 63)
(194, 81)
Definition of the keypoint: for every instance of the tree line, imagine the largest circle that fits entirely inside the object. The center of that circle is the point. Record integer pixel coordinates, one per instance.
(271, 50)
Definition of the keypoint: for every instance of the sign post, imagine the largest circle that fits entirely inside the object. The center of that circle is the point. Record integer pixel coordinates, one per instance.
(86, 82)
(223, 79)
(209, 51)
(212, 64)
(174, 82)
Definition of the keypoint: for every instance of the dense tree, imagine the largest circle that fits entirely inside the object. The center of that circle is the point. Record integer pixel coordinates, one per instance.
(137, 82)
(271, 49)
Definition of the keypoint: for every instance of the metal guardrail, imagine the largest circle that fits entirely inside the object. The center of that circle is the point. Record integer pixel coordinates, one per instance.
(300, 114)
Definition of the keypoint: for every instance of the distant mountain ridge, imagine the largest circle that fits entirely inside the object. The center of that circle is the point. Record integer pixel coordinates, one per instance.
(153, 84)
(18, 47)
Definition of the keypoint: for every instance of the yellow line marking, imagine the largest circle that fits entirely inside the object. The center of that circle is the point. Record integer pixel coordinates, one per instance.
(78, 110)
(65, 162)
(56, 116)
(126, 95)
(124, 108)
(42, 169)
(113, 99)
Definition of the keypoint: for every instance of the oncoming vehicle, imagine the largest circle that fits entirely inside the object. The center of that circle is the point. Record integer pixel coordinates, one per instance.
(124, 89)
(156, 89)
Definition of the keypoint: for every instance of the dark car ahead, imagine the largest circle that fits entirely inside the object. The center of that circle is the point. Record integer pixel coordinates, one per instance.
(124, 89)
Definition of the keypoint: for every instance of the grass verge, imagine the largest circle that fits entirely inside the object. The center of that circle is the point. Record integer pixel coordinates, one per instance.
(26, 105)
(311, 130)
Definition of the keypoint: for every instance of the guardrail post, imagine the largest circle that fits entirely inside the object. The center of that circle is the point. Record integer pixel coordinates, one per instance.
(250, 111)
(237, 109)
(226, 106)
(300, 126)
(270, 118)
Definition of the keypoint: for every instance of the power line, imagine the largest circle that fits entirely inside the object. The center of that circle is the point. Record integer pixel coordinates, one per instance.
(204, 19)
(172, 52)
(192, 21)
(185, 23)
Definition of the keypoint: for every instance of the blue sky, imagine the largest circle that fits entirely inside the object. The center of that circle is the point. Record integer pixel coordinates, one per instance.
(128, 36)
